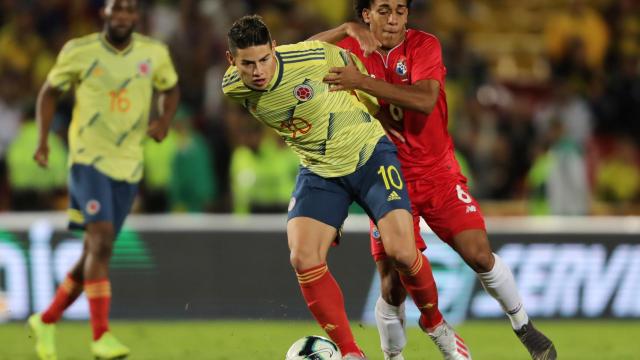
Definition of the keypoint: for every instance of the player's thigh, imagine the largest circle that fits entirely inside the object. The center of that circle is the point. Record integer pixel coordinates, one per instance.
(124, 194)
(378, 185)
(91, 197)
(377, 247)
(317, 210)
(453, 210)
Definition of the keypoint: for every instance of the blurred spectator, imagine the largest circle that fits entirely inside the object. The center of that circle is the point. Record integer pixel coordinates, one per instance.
(32, 187)
(193, 185)
(158, 160)
(618, 176)
(263, 173)
(577, 33)
(558, 181)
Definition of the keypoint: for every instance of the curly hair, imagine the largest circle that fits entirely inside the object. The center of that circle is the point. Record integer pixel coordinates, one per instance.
(359, 5)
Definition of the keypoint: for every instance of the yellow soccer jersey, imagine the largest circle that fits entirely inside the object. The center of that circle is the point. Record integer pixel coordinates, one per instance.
(333, 133)
(113, 93)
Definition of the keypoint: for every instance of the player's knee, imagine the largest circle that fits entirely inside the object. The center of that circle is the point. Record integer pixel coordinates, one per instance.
(303, 260)
(481, 261)
(392, 291)
(403, 256)
(100, 242)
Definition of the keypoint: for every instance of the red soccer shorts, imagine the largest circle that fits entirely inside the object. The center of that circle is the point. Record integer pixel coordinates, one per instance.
(446, 206)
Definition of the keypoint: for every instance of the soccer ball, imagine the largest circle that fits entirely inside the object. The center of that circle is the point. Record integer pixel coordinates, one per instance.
(313, 348)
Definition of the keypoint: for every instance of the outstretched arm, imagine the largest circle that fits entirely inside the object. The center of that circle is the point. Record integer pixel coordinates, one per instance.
(45, 110)
(366, 39)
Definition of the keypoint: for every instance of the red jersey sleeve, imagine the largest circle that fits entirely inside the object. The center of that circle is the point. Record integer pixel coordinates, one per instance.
(427, 60)
(352, 45)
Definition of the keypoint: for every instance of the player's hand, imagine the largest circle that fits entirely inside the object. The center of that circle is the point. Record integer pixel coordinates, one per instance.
(364, 36)
(158, 130)
(41, 155)
(391, 127)
(344, 78)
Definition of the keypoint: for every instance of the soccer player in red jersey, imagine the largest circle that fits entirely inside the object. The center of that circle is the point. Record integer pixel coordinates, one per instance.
(408, 78)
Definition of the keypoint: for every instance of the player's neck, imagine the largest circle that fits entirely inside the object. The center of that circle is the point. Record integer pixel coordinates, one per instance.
(118, 44)
(385, 50)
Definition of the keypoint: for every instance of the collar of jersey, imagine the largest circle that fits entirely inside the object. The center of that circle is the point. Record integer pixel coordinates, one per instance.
(113, 49)
(275, 81)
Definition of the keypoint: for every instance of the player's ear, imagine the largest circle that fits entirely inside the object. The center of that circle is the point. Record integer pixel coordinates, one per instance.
(230, 58)
(273, 44)
(366, 15)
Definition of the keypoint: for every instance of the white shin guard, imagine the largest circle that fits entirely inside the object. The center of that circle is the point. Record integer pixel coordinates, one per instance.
(391, 322)
(500, 284)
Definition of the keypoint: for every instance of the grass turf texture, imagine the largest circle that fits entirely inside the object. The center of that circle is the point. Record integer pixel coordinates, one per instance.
(243, 340)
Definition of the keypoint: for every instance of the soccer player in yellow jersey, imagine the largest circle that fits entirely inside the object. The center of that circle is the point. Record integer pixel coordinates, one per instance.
(113, 74)
(345, 157)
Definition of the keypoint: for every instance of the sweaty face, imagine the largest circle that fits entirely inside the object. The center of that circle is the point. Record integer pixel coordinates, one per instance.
(256, 65)
(387, 19)
(121, 18)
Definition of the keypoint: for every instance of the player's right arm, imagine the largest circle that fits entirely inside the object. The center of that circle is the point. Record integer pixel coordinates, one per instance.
(364, 37)
(45, 109)
(60, 79)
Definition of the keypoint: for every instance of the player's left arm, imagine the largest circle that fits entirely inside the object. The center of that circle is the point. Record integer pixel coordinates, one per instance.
(421, 95)
(165, 82)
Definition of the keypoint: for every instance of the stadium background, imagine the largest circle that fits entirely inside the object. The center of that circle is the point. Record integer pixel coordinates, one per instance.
(544, 100)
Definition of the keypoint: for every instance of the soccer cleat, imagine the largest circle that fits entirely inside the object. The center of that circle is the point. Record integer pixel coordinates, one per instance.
(354, 356)
(538, 345)
(388, 356)
(108, 347)
(45, 337)
(450, 344)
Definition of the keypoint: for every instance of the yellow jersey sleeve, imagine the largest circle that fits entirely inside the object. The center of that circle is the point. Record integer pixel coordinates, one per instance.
(165, 77)
(338, 57)
(66, 71)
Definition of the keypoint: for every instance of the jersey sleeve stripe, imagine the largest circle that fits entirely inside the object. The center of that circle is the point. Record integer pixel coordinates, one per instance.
(305, 59)
(287, 56)
(300, 51)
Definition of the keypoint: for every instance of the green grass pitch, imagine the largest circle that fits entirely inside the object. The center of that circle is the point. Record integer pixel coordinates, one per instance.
(258, 340)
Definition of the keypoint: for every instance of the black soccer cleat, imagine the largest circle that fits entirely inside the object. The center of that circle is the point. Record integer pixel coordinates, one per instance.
(539, 346)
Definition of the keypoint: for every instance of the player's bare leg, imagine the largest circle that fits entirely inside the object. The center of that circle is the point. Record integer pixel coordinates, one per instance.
(309, 241)
(497, 279)
(390, 319)
(100, 237)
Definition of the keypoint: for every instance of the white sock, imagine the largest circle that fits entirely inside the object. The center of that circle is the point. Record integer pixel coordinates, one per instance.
(501, 285)
(391, 326)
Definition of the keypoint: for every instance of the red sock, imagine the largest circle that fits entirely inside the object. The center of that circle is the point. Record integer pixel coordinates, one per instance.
(419, 282)
(67, 293)
(99, 295)
(324, 299)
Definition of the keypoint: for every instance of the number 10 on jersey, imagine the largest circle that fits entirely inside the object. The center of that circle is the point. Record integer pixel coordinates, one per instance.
(391, 177)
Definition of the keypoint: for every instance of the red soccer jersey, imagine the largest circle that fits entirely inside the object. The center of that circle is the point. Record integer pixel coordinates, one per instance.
(428, 150)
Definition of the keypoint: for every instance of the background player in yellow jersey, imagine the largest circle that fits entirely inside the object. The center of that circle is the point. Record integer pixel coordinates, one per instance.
(345, 157)
(113, 74)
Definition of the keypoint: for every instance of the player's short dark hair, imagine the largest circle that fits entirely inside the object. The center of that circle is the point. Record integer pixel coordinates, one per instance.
(248, 31)
(359, 5)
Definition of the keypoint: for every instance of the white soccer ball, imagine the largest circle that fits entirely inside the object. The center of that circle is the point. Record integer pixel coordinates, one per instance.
(313, 348)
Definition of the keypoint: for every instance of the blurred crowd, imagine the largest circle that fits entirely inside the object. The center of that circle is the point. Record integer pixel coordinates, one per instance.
(544, 102)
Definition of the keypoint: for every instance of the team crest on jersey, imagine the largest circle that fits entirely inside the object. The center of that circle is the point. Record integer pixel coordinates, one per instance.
(401, 67)
(93, 207)
(144, 68)
(303, 92)
(375, 233)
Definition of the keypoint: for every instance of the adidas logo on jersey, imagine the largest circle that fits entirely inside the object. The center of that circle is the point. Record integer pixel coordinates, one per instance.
(393, 196)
